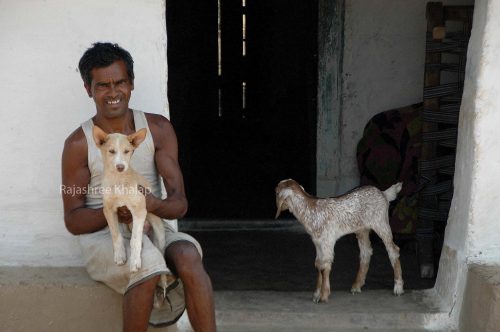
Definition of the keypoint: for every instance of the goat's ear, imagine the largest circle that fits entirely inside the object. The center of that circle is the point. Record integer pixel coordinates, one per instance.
(280, 205)
(138, 137)
(99, 135)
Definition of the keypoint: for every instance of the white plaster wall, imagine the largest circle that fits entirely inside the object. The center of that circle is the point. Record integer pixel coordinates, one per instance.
(383, 68)
(473, 226)
(43, 101)
(330, 48)
(483, 238)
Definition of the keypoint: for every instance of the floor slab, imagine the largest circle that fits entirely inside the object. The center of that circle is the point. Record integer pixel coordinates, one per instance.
(290, 311)
(66, 299)
(278, 255)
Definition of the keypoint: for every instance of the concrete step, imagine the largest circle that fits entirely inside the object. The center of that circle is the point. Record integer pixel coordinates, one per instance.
(60, 299)
(66, 299)
(239, 328)
(481, 306)
(374, 310)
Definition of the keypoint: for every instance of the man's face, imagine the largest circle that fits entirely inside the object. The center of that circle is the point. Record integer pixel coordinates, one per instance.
(111, 89)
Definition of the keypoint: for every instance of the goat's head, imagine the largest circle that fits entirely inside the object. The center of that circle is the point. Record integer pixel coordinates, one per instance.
(284, 190)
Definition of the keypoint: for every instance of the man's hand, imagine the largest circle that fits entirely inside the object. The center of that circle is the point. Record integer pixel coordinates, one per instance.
(125, 217)
(151, 201)
(124, 214)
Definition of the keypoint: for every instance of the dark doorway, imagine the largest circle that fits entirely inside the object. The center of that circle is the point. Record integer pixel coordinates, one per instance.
(242, 92)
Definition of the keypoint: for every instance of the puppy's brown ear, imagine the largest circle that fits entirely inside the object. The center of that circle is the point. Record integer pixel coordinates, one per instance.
(138, 137)
(100, 136)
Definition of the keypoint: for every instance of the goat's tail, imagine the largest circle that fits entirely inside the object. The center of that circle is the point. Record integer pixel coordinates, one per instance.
(391, 193)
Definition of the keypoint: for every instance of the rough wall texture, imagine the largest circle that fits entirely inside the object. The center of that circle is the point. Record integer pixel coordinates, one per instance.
(330, 44)
(484, 225)
(43, 101)
(481, 305)
(383, 68)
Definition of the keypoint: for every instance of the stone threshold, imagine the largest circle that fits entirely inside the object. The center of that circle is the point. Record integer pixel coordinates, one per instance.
(376, 310)
(237, 225)
(66, 299)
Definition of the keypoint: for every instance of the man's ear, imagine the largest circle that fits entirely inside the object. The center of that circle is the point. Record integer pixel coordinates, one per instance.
(87, 87)
(138, 137)
(100, 136)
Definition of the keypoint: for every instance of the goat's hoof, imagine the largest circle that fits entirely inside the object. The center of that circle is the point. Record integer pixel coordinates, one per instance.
(316, 296)
(398, 290)
(355, 290)
(320, 299)
(398, 287)
(323, 299)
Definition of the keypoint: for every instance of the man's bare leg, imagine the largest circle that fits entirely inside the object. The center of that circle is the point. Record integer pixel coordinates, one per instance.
(184, 260)
(137, 305)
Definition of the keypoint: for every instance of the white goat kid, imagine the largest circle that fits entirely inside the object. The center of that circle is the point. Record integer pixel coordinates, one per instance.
(328, 219)
(120, 183)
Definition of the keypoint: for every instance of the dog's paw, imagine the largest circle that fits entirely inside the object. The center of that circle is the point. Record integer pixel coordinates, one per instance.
(398, 288)
(120, 256)
(135, 264)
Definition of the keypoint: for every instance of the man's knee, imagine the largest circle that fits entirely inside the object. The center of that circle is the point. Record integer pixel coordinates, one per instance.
(182, 257)
(144, 286)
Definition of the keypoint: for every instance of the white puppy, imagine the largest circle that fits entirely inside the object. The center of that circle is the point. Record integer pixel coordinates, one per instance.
(120, 185)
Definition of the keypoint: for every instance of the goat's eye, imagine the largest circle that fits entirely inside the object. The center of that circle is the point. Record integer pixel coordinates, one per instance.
(112, 151)
(126, 151)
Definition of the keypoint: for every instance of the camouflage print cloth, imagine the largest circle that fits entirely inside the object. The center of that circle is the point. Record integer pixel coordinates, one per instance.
(388, 153)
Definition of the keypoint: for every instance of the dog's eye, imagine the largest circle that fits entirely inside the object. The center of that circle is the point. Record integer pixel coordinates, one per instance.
(126, 151)
(112, 151)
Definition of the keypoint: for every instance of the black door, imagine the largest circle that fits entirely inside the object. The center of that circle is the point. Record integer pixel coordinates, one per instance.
(242, 92)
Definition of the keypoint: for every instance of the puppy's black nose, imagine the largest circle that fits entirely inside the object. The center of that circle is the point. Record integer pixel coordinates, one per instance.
(120, 167)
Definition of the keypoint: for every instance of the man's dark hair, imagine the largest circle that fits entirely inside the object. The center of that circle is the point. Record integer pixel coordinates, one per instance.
(101, 55)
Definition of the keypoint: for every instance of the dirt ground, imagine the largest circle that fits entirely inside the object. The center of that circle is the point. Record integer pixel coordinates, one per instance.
(283, 260)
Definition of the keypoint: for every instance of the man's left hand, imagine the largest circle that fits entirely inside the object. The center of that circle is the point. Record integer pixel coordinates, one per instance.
(151, 200)
(125, 217)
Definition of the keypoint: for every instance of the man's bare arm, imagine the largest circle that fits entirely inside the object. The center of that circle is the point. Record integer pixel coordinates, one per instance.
(75, 180)
(166, 158)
